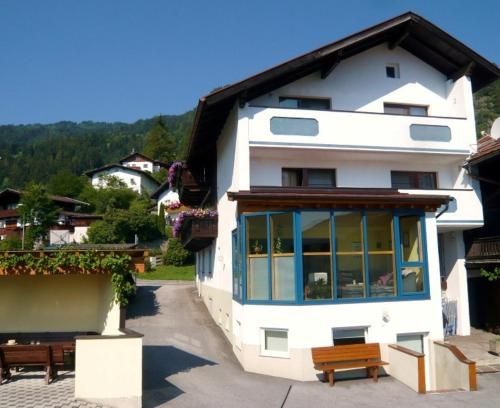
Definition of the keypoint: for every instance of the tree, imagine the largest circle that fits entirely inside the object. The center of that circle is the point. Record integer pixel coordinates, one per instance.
(160, 143)
(108, 198)
(161, 220)
(66, 183)
(37, 211)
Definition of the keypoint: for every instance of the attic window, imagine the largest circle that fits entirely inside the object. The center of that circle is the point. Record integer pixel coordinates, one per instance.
(392, 70)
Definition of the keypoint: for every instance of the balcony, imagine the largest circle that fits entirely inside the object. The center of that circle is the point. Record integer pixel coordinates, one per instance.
(367, 131)
(198, 233)
(484, 250)
(191, 192)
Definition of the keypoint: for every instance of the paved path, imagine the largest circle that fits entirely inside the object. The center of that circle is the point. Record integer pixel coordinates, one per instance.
(27, 389)
(476, 347)
(188, 363)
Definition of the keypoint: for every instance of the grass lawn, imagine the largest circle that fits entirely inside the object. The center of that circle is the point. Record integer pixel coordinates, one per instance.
(170, 272)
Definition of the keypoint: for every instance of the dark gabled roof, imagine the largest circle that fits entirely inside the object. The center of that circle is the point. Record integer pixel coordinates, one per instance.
(110, 166)
(163, 186)
(56, 198)
(409, 31)
(131, 155)
(487, 147)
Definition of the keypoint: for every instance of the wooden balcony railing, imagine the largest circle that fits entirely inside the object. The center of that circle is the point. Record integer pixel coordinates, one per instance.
(198, 233)
(485, 249)
(191, 192)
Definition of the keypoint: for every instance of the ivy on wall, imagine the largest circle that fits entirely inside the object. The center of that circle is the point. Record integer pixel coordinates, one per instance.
(69, 262)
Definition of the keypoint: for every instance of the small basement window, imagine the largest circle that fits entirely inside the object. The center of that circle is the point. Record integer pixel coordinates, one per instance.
(274, 342)
(392, 70)
(348, 335)
(413, 342)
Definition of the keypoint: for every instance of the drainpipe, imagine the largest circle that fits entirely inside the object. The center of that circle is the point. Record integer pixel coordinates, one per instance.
(446, 207)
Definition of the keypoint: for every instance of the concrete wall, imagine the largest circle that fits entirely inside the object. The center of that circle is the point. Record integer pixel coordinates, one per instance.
(108, 369)
(45, 303)
(450, 373)
(405, 367)
(131, 178)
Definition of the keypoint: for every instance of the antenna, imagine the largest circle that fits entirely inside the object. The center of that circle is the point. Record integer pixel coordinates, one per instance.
(495, 129)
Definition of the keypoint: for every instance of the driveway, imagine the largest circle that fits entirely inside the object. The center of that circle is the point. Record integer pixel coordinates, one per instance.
(189, 363)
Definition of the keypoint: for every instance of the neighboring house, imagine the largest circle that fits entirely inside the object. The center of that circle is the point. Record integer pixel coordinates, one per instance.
(333, 175)
(71, 226)
(142, 162)
(483, 244)
(135, 179)
(165, 195)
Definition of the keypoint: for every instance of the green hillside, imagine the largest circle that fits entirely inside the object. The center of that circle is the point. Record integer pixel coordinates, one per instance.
(36, 152)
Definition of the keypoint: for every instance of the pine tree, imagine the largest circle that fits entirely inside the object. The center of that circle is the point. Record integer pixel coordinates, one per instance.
(159, 143)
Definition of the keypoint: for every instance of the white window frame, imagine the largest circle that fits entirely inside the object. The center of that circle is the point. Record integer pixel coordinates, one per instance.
(272, 353)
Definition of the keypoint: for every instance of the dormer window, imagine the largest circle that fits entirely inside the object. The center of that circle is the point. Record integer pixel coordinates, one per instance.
(305, 103)
(392, 70)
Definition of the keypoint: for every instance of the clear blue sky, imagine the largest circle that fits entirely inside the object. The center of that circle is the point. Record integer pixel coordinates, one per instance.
(122, 60)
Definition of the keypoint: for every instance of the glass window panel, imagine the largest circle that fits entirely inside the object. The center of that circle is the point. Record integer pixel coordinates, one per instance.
(294, 126)
(430, 133)
(413, 342)
(395, 109)
(379, 229)
(410, 236)
(401, 179)
(350, 276)
(276, 340)
(349, 254)
(317, 104)
(382, 279)
(413, 279)
(291, 177)
(418, 110)
(320, 178)
(257, 269)
(316, 251)
(289, 103)
(346, 336)
(427, 181)
(283, 256)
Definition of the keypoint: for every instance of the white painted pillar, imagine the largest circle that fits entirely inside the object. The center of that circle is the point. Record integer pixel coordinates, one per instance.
(454, 251)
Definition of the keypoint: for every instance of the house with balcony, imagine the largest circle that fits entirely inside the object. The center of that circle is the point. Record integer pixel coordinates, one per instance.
(341, 196)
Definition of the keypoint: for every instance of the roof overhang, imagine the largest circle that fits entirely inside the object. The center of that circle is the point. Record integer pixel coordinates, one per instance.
(258, 198)
(409, 31)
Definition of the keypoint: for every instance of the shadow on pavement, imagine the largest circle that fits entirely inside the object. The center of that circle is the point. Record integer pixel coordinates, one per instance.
(161, 362)
(144, 303)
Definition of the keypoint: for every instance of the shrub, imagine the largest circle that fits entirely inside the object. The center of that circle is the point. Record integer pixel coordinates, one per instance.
(176, 254)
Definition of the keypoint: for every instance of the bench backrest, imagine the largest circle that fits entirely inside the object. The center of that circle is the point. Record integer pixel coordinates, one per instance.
(350, 352)
(21, 354)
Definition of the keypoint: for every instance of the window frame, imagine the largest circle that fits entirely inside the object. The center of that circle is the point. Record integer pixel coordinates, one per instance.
(394, 65)
(407, 107)
(306, 98)
(299, 278)
(270, 353)
(415, 177)
(304, 176)
(340, 329)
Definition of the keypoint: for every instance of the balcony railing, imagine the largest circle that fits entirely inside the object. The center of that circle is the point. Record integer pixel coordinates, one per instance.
(359, 130)
(191, 192)
(198, 233)
(485, 249)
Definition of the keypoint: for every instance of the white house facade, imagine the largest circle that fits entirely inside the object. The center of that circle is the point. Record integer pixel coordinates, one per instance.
(341, 197)
(135, 179)
(142, 162)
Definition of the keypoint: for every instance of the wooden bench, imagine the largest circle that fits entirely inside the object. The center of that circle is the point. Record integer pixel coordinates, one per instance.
(329, 359)
(22, 356)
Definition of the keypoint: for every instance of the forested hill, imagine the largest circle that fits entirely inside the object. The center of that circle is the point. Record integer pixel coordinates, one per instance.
(36, 152)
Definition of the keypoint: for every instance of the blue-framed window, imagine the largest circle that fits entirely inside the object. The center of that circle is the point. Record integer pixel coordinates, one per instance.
(330, 256)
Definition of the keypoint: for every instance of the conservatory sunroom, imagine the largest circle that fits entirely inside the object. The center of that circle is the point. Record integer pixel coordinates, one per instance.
(330, 246)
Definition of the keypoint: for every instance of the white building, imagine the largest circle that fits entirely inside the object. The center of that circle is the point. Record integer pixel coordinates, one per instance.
(135, 179)
(341, 197)
(142, 162)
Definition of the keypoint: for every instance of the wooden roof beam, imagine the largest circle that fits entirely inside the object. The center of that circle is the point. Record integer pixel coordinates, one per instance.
(328, 68)
(465, 70)
(398, 40)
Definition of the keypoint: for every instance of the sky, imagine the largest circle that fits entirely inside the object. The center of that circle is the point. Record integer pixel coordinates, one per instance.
(123, 60)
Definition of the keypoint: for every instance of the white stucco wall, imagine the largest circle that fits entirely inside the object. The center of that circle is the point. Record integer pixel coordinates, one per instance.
(168, 196)
(132, 179)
